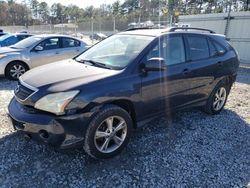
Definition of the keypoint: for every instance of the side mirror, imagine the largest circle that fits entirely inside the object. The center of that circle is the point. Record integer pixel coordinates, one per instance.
(155, 64)
(38, 48)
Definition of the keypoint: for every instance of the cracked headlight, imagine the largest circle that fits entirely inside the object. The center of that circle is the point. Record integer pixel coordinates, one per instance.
(56, 102)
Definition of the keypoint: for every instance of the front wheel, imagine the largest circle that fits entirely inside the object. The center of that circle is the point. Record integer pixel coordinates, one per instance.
(108, 132)
(217, 99)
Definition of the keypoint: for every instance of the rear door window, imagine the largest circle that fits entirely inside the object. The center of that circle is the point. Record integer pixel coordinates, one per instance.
(70, 43)
(198, 47)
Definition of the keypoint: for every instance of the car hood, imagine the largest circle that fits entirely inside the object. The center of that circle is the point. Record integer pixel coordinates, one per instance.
(5, 50)
(65, 75)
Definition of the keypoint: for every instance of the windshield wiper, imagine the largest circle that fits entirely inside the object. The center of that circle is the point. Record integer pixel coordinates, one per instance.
(13, 47)
(96, 63)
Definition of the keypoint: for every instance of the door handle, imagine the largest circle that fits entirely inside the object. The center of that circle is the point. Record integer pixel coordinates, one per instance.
(186, 72)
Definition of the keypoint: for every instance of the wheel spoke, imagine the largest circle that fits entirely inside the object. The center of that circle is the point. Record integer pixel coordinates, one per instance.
(217, 106)
(221, 92)
(215, 103)
(101, 134)
(117, 140)
(120, 126)
(109, 123)
(217, 95)
(14, 75)
(105, 145)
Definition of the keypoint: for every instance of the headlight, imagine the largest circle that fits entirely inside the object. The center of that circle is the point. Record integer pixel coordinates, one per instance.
(2, 56)
(55, 103)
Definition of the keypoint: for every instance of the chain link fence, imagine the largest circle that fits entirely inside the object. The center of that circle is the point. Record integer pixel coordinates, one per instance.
(102, 25)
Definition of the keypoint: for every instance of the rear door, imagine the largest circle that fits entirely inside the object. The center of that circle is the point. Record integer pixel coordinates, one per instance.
(70, 48)
(51, 52)
(203, 59)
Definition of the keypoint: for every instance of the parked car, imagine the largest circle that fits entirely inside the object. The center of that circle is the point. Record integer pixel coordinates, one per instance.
(11, 39)
(36, 51)
(98, 36)
(96, 99)
(2, 33)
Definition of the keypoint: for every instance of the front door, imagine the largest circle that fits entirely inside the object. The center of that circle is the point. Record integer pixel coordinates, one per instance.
(170, 88)
(49, 52)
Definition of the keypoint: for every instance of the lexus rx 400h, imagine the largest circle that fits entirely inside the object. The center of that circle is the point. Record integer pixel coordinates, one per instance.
(95, 100)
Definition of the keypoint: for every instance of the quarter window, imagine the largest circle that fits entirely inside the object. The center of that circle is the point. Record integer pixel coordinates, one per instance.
(219, 48)
(198, 47)
(212, 48)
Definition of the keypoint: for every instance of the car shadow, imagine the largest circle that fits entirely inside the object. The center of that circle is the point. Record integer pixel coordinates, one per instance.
(189, 149)
(7, 85)
(243, 75)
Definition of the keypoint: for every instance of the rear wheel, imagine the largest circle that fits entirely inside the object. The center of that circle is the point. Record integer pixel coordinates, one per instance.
(108, 132)
(217, 99)
(15, 69)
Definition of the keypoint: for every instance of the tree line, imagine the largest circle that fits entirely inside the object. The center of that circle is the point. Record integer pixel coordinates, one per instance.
(32, 12)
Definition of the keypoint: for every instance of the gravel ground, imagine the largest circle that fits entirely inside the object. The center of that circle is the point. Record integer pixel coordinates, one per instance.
(191, 150)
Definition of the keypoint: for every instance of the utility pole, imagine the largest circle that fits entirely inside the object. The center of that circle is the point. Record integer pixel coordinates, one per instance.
(228, 17)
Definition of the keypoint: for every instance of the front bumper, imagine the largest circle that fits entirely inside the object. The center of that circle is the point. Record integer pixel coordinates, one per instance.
(62, 132)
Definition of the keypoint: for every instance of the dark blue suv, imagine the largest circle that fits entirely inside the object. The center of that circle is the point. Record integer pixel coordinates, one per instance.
(96, 99)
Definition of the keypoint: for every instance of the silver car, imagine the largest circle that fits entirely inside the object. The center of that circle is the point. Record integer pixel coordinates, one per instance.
(36, 51)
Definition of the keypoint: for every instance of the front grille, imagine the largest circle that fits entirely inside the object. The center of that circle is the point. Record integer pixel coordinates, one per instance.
(22, 92)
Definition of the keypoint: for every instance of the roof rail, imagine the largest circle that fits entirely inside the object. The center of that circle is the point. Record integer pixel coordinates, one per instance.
(138, 28)
(173, 29)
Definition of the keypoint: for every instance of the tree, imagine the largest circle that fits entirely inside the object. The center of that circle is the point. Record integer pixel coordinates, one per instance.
(43, 10)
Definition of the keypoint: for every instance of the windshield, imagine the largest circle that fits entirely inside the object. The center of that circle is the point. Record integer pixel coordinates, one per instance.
(26, 43)
(116, 51)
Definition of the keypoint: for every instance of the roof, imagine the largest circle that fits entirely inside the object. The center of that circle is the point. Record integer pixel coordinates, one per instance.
(53, 35)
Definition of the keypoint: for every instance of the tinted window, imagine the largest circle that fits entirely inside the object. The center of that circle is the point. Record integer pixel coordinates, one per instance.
(171, 49)
(21, 37)
(212, 48)
(68, 43)
(50, 44)
(11, 40)
(198, 47)
(219, 48)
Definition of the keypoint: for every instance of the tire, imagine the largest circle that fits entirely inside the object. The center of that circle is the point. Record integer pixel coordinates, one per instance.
(99, 133)
(212, 107)
(15, 69)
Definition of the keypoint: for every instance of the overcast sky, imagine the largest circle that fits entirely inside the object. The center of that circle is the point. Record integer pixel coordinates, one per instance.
(80, 3)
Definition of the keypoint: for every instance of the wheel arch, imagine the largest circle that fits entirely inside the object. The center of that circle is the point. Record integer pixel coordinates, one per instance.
(127, 105)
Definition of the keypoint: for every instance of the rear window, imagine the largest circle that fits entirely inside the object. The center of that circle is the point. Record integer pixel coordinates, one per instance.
(198, 47)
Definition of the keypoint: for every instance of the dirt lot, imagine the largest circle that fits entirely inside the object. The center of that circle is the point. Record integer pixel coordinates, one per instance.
(192, 149)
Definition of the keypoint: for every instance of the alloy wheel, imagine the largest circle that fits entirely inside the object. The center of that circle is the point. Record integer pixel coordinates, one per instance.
(17, 70)
(219, 99)
(110, 134)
